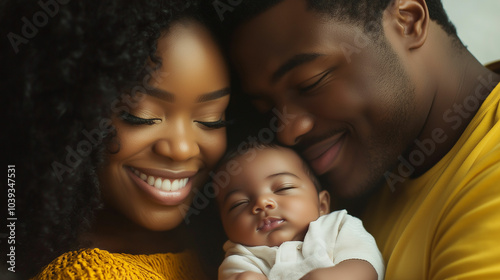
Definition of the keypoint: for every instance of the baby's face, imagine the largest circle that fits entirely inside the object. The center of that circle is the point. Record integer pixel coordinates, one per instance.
(269, 199)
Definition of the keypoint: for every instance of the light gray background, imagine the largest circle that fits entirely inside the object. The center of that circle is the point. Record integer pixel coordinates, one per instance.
(478, 26)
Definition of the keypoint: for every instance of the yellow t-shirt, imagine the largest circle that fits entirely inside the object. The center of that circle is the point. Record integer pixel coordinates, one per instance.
(445, 224)
(100, 264)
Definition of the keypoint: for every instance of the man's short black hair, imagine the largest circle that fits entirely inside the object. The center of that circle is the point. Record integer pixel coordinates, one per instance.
(365, 12)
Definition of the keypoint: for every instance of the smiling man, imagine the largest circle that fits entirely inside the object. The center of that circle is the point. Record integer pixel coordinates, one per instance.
(386, 101)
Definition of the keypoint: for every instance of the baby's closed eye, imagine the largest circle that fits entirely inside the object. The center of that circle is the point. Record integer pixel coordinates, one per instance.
(284, 188)
(238, 204)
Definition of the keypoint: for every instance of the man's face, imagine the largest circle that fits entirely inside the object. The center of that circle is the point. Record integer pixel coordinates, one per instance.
(354, 106)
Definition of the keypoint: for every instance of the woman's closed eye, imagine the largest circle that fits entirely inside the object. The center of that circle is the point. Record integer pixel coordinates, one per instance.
(134, 120)
(214, 125)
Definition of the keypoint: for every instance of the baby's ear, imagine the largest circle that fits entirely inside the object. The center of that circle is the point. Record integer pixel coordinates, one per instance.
(324, 203)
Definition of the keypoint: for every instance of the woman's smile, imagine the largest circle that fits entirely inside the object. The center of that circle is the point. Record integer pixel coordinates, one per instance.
(164, 180)
(170, 188)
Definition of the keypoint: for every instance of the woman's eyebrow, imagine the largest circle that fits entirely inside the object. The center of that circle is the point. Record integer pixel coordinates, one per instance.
(159, 93)
(170, 97)
(214, 95)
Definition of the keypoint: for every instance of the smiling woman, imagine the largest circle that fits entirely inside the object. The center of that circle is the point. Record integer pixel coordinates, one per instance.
(113, 206)
(172, 137)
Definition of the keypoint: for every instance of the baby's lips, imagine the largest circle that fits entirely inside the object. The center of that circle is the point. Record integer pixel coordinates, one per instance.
(269, 223)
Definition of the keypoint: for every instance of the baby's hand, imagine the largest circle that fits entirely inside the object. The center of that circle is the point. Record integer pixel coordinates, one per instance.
(320, 273)
(249, 275)
(349, 269)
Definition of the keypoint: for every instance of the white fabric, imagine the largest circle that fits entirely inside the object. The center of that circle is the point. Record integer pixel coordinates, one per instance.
(331, 239)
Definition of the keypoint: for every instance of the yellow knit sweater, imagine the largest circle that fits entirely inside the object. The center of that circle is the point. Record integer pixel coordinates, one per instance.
(100, 264)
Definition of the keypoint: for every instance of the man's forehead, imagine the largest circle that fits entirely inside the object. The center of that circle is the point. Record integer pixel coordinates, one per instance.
(270, 33)
(261, 45)
(280, 17)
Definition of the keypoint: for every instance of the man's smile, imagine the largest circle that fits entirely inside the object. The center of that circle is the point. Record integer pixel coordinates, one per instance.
(322, 154)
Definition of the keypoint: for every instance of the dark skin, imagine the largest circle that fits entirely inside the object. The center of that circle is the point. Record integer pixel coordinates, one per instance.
(356, 102)
(113, 232)
(349, 269)
(171, 139)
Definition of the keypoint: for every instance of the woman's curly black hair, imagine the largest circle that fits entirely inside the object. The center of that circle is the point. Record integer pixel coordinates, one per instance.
(64, 63)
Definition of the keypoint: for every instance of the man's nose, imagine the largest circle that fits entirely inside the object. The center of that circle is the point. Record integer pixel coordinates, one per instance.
(294, 122)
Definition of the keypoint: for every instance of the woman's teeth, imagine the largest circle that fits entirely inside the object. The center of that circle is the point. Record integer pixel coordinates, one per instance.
(161, 183)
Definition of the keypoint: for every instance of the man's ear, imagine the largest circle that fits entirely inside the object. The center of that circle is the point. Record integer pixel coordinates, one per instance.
(412, 21)
(324, 203)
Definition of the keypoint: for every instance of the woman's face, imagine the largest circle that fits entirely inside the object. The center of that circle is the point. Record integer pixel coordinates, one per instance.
(171, 133)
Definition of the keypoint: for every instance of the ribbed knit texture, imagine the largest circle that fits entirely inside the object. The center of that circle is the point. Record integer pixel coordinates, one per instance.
(100, 264)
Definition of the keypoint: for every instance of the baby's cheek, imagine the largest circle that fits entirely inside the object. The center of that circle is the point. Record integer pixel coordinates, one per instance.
(241, 232)
(230, 226)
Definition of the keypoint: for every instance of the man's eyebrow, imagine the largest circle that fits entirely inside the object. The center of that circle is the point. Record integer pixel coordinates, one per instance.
(214, 95)
(282, 174)
(293, 62)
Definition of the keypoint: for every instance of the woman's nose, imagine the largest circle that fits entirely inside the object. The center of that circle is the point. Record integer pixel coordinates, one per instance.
(295, 122)
(178, 143)
(263, 203)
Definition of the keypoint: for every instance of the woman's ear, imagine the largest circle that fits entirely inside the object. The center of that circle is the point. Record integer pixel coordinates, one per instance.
(324, 203)
(412, 18)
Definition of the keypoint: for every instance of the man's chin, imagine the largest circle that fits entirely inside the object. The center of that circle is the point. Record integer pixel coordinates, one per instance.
(353, 196)
(351, 187)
